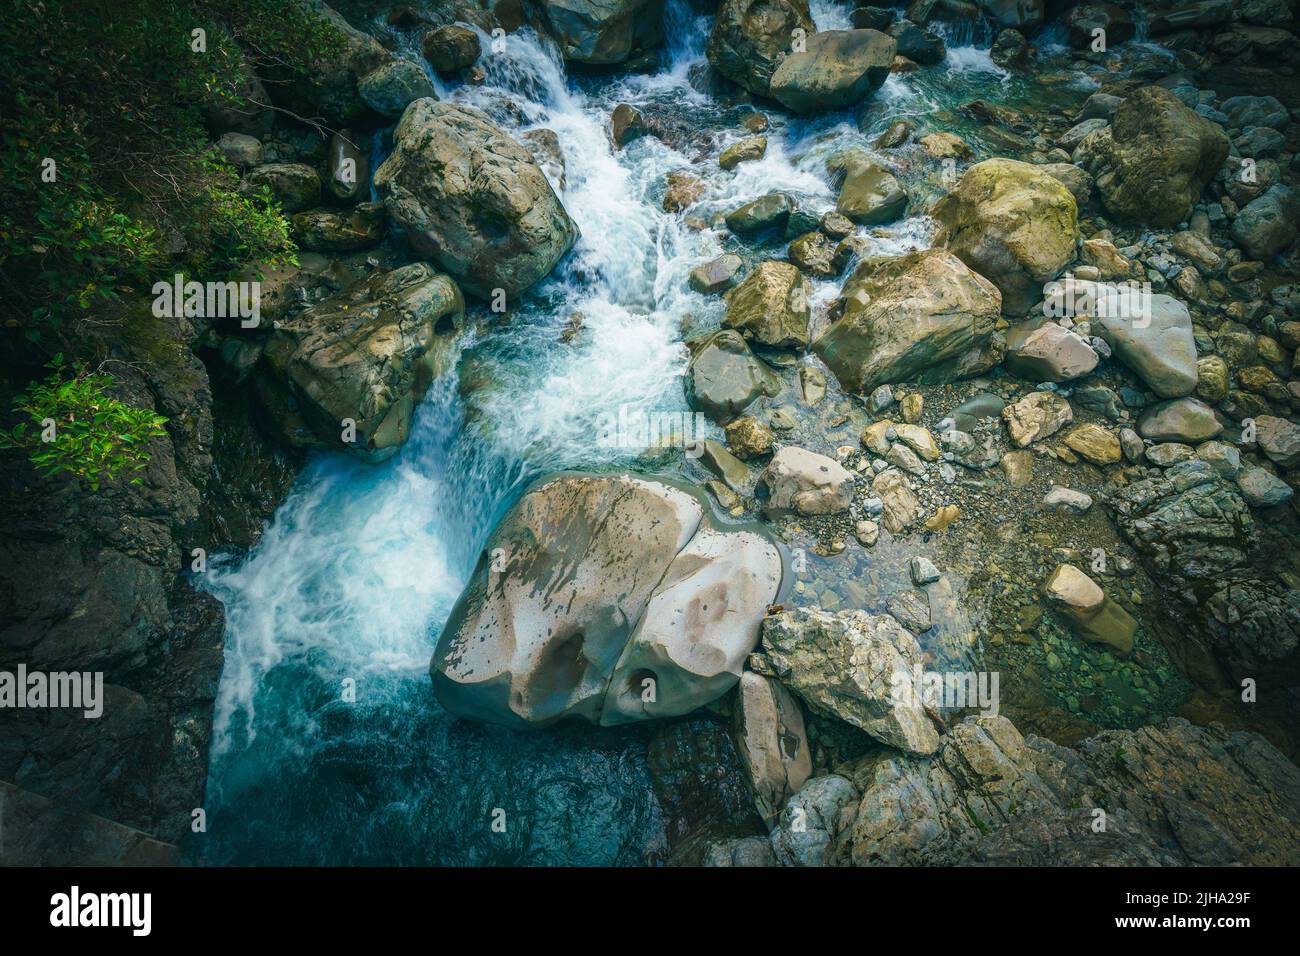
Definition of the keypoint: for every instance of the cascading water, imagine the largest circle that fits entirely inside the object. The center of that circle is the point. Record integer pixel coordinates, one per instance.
(347, 591)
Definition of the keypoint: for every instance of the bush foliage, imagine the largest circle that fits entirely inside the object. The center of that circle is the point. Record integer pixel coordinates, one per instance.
(115, 95)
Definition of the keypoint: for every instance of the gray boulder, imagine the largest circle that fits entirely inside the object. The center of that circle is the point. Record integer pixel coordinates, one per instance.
(854, 666)
(604, 32)
(921, 317)
(724, 377)
(751, 37)
(836, 69)
(1151, 164)
(472, 199)
(367, 355)
(1160, 348)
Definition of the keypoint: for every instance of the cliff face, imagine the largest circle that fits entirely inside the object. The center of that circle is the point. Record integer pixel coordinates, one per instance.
(95, 582)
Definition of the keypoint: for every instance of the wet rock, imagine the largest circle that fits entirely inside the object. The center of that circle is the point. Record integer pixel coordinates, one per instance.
(294, 186)
(1262, 488)
(771, 306)
(869, 193)
(1036, 416)
(814, 254)
(1267, 226)
(1094, 443)
(1090, 613)
(717, 275)
(919, 440)
(749, 438)
(744, 852)
(946, 146)
(1076, 180)
(1010, 50)
(1279, 439)
(1022, 14)
(811, 484)
(1178, 794)
(1044, 352)
(1161, 349)
(1084, 20)
(473, 199)
(1153, 161)
(544, 145)
(856, 667)
(747, 150)
(912, 610)
(1212, 379)
(240, 149)
(724, 377)
(366, 355)
(1066, 500)
(617, 600)
(1187, 420)
(390, 88)
(917, 44)
(811, 824)
(922, 570)
(836, 69)
(770, 212)
(1018, 468)
(322, 230)
(683, 190)
(750, 38)
(603, 32)
(348, 167)
(1222, 457)
(451, 48)
(922, 317)
(900, 507)
(1168, 454)
(771, 743)
(1013, 224)
(895, 135)
(625, 125)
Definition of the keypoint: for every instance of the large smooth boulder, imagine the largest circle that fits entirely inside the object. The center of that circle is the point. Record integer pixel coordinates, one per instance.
(1154, 159)
(836, 69)
(869, 193)
(921, 317)
(1013, 224)
(771, 306)
(609, 597)
(1160, 347)
(771, 743)
(751, 37)
(724, 377)
(367, 355)
(603, 32)
(856, 667)
(472, 199)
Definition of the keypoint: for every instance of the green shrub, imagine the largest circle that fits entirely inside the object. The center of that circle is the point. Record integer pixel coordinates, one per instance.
(74, 426)
(112, 92)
